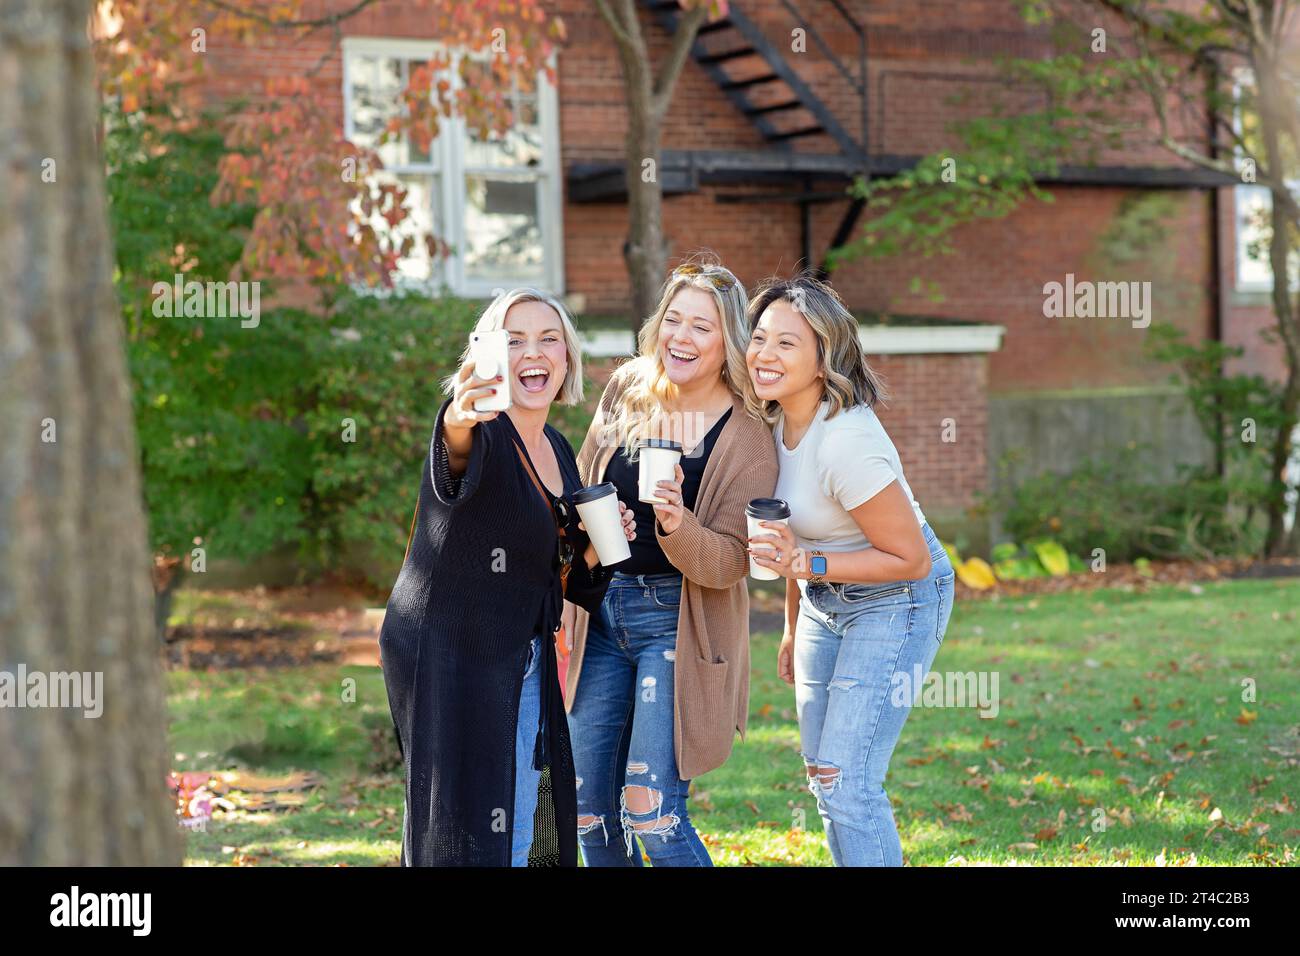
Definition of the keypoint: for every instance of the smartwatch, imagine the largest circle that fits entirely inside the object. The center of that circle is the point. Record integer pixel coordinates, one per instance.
(817, 568)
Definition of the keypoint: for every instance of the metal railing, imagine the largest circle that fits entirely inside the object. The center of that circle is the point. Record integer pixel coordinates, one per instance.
(858, 82)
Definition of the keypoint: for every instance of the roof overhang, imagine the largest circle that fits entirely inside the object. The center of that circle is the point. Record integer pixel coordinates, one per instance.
(684, 171)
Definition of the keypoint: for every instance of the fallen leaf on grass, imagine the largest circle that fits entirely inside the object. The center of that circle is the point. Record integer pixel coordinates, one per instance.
(253, 783)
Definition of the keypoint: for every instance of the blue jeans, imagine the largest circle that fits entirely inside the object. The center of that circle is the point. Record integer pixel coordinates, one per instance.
(621, 727)
(850, 641)
(526, 778)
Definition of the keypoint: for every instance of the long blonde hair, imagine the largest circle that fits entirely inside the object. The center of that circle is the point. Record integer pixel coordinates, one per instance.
(850, 379)
(649, 390)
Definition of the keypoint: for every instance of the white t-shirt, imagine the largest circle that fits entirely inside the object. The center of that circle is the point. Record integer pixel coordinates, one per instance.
(837, 465)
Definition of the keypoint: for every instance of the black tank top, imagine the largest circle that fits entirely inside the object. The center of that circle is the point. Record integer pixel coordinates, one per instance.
(647, 556)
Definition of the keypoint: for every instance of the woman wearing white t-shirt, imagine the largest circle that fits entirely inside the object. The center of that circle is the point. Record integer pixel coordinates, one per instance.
(869, 588)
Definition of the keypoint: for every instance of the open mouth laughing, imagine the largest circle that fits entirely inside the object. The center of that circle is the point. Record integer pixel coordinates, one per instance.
(681, 359)
(533, 378)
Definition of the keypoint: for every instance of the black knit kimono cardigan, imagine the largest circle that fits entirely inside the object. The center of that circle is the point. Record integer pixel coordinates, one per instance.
(481, 579)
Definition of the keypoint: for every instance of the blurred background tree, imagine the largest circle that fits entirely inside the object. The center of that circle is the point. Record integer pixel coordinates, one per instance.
(1215, 86)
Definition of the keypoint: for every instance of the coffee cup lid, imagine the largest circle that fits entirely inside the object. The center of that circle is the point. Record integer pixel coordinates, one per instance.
(768, 509)
(663, 443)
(594, 492)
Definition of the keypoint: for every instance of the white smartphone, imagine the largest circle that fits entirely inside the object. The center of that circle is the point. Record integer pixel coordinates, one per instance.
(490, 353)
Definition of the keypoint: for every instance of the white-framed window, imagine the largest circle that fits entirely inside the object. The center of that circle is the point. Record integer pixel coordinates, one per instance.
(1252, 207)
(497, 202)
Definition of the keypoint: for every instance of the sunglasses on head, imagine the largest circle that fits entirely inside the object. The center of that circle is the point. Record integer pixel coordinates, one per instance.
(720, 278)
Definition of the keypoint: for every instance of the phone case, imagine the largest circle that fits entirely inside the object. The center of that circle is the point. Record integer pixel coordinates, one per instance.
(490, 352)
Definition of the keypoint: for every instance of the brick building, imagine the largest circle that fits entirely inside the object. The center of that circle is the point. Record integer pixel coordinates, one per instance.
(760, 143)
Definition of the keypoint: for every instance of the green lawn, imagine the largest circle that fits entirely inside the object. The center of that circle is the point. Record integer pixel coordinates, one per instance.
(1121, 736)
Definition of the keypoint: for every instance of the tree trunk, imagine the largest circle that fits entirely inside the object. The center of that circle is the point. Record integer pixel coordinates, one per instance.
(646, 253)
(647, 97)
(166, 582)
(1276, 543)
(75, 592)
(1274, 117)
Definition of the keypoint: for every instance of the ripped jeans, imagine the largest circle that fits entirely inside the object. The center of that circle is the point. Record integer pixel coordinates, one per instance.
(621, 727)
(850, 640)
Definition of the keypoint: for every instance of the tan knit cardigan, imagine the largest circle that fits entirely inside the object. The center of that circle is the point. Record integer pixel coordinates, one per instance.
(711, 673)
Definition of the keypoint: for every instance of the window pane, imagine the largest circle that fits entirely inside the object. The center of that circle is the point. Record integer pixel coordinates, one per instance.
(376, 82)
(422, 218)
(365, 120)
(503, 236)
(420, 221)
(521, 146)
(377, 85)
(413, 153)
(1253, 206)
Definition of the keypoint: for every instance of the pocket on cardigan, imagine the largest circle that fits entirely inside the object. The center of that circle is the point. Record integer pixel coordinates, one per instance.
(717, 708)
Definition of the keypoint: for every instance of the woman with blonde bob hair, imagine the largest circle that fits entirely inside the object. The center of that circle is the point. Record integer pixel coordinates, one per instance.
(467, 644)
(869, 588)
(658, 681)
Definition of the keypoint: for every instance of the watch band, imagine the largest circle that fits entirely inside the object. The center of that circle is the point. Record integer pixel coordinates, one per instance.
(813, 577)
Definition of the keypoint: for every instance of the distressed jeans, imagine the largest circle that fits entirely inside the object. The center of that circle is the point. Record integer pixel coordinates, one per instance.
(850, 641)
(526, 778)
(621, 727)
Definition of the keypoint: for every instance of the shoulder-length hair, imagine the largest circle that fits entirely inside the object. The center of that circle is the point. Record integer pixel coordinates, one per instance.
(636, 413)
(850, 380)
(494, 317)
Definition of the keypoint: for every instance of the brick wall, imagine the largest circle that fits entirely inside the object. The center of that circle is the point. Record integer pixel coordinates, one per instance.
(925, 391)
(923, 59)
(1248, 319)
(919, 70)
(919, 62)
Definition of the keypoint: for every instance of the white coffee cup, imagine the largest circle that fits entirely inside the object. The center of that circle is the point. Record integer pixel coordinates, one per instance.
(659, 458)
(772, 510)
(598, 508)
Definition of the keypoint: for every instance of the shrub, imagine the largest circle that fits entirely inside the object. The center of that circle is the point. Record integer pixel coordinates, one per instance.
(1107, 504)
(308, 430)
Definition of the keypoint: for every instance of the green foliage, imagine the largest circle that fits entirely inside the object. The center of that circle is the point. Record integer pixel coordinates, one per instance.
(1109, 504)
(916, 211)
(215, 408)
(242, 432)
(380, 364)
(1240, 414)
(1140, 231)
(1040, 558)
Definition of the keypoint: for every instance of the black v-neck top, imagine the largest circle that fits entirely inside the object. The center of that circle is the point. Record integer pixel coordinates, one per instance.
(482, 578)
(647, 556)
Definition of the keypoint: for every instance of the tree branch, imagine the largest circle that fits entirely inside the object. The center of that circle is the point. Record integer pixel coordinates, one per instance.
(621, 36)
(257, 16)
(684, 37)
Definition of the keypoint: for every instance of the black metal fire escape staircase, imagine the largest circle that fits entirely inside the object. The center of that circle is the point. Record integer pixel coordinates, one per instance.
(756, 77)
(758, 80)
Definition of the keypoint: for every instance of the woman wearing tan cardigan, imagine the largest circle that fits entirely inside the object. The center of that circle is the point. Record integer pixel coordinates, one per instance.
(658, 682)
